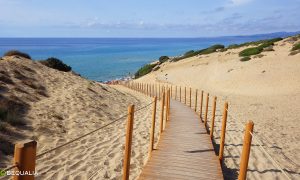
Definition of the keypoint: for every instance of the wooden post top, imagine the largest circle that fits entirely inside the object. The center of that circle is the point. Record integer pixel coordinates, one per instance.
(26, 143)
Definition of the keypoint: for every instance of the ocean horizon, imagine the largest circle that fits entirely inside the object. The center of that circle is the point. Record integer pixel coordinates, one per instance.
(104, 59)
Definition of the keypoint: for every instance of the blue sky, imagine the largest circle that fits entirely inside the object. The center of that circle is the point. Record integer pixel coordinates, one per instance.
(145, 18)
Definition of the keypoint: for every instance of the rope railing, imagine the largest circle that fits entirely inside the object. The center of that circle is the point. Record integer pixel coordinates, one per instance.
(10, 168)
(275, 163)
(25, 153)
(260, 143)
(87, 134)
(185, 97)
(78, 138)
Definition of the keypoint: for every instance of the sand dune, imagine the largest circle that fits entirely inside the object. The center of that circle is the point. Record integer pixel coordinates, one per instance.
(66, 107)
(265, 90)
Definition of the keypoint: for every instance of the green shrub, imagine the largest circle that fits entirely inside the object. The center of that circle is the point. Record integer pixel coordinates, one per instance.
(17, 53)
(250, 51)
(208, 50)
(217, 46)
(257, 50)
(296, 47)
(265, 42)
(55, 63)
(189, 53)
(233, 46)
(223, 50)
(163, 59)
(211, 49)
(247, 58)
(144, 70)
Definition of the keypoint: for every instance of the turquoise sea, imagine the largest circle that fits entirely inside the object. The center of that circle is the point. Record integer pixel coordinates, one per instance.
(103, 59)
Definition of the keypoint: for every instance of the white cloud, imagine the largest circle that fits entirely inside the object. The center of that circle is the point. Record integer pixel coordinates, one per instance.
(239, 2)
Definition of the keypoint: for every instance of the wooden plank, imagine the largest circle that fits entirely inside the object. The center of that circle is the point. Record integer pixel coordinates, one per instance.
(185, 150)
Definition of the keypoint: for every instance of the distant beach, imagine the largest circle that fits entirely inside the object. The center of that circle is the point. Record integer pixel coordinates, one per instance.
(104, 59)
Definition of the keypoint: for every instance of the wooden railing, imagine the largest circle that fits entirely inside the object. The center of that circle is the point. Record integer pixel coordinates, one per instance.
(157, 89)
(25, 152)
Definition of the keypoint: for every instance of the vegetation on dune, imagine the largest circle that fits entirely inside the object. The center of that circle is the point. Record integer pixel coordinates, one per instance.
(295, 50)
(189, 53)
(57, 64)
(254, 43)
(192, 53)
(144, 70)
(296, 47)
(250, 51)
(153, 67)
(163, 59)
(17, 53)
(261, 46)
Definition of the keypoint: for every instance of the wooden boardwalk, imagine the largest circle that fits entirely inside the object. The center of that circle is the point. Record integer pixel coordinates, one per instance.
(185, 150)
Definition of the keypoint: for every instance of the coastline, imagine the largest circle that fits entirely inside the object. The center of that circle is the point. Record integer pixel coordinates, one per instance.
(59, 106)
(263, 89)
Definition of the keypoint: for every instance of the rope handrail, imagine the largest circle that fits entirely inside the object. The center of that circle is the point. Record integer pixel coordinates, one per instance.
(87, 134)
(260, 143)
(269, 156)
(11, 167)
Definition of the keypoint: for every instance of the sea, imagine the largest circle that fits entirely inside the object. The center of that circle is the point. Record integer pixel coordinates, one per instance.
(105, 59)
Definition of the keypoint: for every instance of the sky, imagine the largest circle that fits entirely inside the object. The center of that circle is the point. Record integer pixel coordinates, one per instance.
(146, 18)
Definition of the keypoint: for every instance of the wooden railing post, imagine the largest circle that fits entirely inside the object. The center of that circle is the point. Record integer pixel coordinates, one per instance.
(147, 90)
(171, 92)
(25, 157)
(129, 130)
(206, 112)
(176, 93)
(166, 107)
(223, 132)
(196, 99)
(152, 131)
(213, 118)
(153, 90)
(201, 104)
(180, 94)
(159, 91)
(162, 112)
(246, 150)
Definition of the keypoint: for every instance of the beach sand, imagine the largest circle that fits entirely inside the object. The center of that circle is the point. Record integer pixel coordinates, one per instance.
(265, 90)
(61, 107)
